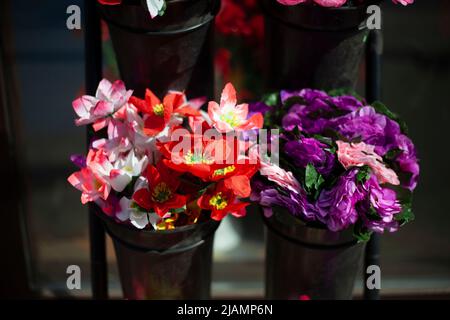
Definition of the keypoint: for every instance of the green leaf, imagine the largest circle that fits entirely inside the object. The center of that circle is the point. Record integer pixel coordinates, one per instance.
(406, 216)
(311, 176)
(392, 154)
(381, 108)
(361, 233)
(271, 99)
(363, 174)
(323, 139)
(320, 180)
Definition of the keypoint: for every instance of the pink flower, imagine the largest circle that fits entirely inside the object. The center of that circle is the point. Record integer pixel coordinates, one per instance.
(229, 116)
(331, 3)
(92, 185)
(360, 154)
(403, 2)
(108, 99)
(119, 173)
(284, 179)
(291, 2)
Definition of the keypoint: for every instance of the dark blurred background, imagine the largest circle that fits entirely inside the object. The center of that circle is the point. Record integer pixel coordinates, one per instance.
(45, 68)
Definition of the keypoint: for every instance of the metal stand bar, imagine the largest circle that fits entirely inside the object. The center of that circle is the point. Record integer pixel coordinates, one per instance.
(373, 93)
(93, 74)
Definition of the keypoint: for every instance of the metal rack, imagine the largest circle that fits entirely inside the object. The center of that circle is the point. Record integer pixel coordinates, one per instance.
(93, 74)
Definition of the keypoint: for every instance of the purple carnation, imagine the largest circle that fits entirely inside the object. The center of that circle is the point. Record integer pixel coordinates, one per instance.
(310, 150)
(373, 128)
(337, 207)
(347, 103)
(407, 160)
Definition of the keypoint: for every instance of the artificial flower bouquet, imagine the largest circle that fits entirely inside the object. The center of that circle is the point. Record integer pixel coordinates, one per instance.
(343, 163)
(158, 7)
(163, 164)
(337, 3)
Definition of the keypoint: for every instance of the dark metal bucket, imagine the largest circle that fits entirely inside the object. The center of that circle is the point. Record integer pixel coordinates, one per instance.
(313, 47)
(303, 260)
(173, 264)
(169, 52)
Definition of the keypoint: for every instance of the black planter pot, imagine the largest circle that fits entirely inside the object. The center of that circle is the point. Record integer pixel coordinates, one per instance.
(308, 46)
(173, 264)
(169, 52)
(303, 260)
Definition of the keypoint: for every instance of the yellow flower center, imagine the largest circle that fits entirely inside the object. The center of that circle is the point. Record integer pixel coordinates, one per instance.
(168, 223)
(161, 193)
(159, 109)
(231, 119)
(218, 201)
(224, 171)
(196, 158)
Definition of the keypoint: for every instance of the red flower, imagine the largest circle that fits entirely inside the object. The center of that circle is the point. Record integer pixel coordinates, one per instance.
(193, 153)
(110, 2)
(236, 177)
(221, 201)
(158, 113)
(160, 195)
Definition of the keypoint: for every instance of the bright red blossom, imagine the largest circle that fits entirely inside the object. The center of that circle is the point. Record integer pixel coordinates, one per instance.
(221, 201)
(158, 114)
(160, 195)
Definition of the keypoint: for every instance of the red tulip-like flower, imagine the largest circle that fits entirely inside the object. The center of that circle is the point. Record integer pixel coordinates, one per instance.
(160, 196)
(221, 201)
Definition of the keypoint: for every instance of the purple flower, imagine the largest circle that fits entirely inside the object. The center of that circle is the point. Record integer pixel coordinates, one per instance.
(78, 160)
(337, 207)
(407, 160)
(268, 197)
(293, 202)
(291, 121)
(309, 95)
(373, 128)
(384, 202)
(310, 150)
(347, 103)
(259, 106)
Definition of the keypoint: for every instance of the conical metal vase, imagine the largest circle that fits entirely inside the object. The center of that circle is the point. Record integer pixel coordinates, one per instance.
(308, 46)
(303, 260)
(169, 52)
(172, 264)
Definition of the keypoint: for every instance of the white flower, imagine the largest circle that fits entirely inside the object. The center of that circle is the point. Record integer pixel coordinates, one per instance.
(155, 6)
(138, 218)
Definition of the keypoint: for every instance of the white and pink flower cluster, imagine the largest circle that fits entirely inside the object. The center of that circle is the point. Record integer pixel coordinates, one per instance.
(130, 170)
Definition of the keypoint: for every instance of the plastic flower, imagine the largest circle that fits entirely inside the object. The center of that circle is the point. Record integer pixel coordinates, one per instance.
(157, 114)
(91, 185)
(337, 206)
(383, 200)
(360, 154)
(109, 98)
(229, 116)
(155, 7)
(119, 173)
(310, 151)
(160, 196)
(281, 177)
(221, 201)
(138, 218)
